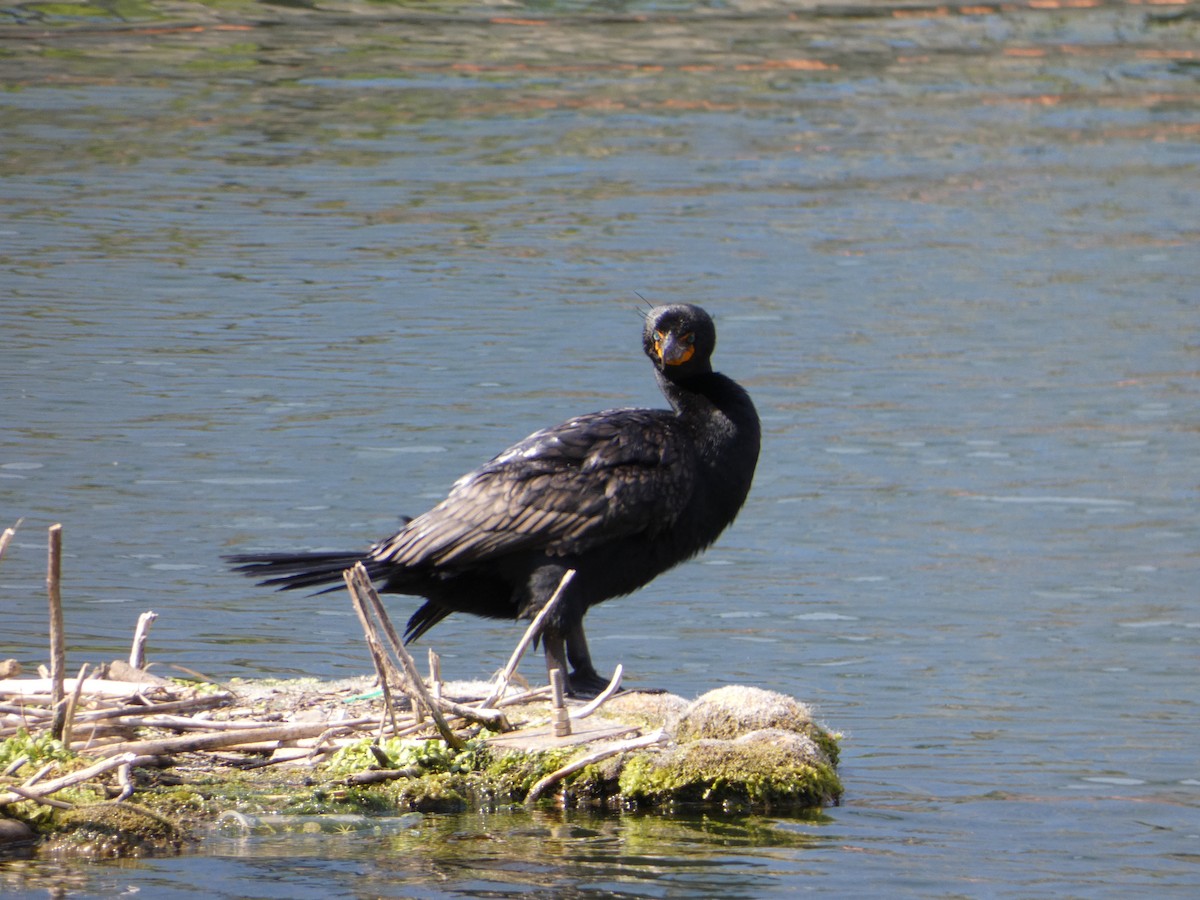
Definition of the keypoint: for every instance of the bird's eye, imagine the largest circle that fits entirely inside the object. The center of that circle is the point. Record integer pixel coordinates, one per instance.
(689, 338)
(658, 336)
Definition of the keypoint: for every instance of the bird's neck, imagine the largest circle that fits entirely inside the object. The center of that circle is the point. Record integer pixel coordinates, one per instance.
(712, 400)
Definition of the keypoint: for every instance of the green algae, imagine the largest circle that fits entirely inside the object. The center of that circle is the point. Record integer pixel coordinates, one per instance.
(759, 774)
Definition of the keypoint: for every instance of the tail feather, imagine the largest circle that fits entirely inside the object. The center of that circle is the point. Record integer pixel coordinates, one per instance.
(292, 571)
(423, 619)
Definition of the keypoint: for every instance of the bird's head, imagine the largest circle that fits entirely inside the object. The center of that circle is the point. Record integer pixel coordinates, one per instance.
(679, 339)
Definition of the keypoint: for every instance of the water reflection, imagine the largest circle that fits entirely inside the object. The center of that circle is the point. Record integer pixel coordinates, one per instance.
(495, 854)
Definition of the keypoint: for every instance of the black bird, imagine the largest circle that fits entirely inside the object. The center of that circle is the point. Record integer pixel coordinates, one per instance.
(619, 496)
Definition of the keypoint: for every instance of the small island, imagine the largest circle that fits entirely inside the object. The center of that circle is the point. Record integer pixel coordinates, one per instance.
(121, 761)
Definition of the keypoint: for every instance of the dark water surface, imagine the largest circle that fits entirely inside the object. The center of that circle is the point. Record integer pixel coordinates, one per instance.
(273, 275)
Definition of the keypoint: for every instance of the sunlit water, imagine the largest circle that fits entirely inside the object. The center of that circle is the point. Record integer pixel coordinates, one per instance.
(276, 278)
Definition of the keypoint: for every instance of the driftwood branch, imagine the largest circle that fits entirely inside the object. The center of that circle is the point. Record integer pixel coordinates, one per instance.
(165, 707)
(531, 633)
(72, 702)
(385, 669)
(376, 776)
(359, 583)
(40, 690)
(613, 686)
(193, 743)
(27, 794)
(137, 653)
(8, 535)
(50, 787)
(647, 740)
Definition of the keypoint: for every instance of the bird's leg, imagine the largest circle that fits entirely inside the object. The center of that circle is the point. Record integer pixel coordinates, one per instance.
(556, 657)
(584, 680)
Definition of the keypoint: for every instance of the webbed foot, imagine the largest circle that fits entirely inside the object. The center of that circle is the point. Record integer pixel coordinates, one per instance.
(585, 684)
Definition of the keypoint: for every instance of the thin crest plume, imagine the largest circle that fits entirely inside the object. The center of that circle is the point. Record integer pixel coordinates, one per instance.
(644, 313)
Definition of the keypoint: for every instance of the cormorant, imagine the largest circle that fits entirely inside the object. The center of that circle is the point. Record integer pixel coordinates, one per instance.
(619, 496)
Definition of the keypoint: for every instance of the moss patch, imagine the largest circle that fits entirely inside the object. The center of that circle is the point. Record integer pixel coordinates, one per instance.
(765, 769)
(112, 830)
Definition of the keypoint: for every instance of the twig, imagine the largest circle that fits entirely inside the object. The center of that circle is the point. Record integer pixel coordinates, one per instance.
(534, 629)
(184, 723)
(72, 703)
(384, 667)
(205, 701)
(41, 773)
(51, 787)
(375, 776)
(491, 719)
(526, 697)
(8, 534)
(33, 711)
(137, 654)
(26, 794)
(613, 686)
(35, 690)
(125, 779)
(198, 742)
(57, 645)
(647, 740)
(435, 674)
(360, 582)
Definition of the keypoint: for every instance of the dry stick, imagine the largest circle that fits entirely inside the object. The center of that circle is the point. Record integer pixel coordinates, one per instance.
(40, 774)
(384, 667)
(51, 787)
(38, 798)
(27, 711)
(362, 582)
(125, 779)
(14, 767)
(199, 742)
(613, 686)
(375, 776)
(492, 719)
(435, 674)
(40, 690)
(534, 629)
(8, 536)
(72, 703)
(195, 704)
(527, 697)
(183, 723)
(583, 762)
(137, 654)
(57, 645)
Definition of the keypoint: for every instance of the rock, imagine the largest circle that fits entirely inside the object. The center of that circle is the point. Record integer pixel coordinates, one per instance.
(14, 833)
(10, 668)
(119, 670)
(768, 768)
(731, 711)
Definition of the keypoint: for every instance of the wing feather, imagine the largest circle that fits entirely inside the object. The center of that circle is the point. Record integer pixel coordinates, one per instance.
(561, 491)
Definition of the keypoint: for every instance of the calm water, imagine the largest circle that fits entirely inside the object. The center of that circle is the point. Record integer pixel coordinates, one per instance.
(273, 276)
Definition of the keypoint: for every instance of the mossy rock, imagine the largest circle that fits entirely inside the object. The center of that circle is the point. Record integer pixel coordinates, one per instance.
(112, 830)
(734, 710)
(764, 769)
(644, 708)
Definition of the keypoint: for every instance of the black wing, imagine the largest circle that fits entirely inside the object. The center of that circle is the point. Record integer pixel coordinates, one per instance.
(561, 490)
